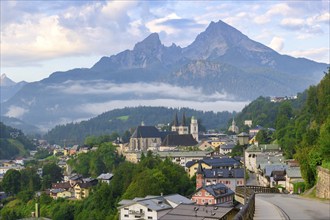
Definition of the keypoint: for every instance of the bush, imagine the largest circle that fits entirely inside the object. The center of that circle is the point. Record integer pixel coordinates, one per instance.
(298, 187)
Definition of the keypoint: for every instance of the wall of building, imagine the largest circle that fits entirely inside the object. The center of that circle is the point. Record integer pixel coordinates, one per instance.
(323, 183)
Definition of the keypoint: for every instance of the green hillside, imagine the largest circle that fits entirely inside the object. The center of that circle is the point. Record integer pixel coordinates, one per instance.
(13, 143)
(302, 126)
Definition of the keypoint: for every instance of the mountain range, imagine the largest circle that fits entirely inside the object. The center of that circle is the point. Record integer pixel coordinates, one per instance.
(8, 88)
(221, 64)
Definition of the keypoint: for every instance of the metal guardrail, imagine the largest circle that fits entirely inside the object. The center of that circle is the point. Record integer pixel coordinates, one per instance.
(247, 211)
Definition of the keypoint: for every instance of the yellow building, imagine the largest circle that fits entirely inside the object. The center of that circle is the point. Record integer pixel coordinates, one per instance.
(82, 190)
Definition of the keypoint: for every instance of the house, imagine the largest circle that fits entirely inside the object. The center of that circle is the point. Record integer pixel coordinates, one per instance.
(60, 193)
(254, 152)
(293, 175)
(82, 190)
(226, 148)
(150, 207)
(211, 163)
(73, 150)
(8, 165)
(254, 131)
(206, 145)
(61, 190)
(211, 194)
(231, 177)
(199, 212)
(105, 177)
(267, 177)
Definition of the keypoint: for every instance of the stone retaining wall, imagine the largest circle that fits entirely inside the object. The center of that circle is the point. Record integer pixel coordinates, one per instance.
(323, 183)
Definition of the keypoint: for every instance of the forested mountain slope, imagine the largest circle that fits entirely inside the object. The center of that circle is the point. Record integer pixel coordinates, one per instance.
(13, 142)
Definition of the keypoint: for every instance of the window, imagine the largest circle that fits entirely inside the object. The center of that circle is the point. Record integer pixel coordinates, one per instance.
(149, 210)
(149, 217)
(125, 208)
(126, 216)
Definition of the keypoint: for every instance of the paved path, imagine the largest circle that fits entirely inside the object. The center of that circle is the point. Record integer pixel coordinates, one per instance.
(293, 207)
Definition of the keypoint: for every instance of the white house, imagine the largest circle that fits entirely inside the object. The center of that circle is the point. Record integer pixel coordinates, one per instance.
(150, 207)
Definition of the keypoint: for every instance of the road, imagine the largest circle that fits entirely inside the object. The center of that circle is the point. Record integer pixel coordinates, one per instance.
(286, 206)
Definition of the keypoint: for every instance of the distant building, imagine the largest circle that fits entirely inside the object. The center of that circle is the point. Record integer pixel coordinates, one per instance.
(233, 127)
(248, 123)
(105, 177)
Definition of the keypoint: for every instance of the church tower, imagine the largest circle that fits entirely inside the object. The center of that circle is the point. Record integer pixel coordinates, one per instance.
(199, 176)
(194, 128)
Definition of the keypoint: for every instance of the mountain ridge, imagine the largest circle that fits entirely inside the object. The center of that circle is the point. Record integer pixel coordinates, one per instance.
(221, 64)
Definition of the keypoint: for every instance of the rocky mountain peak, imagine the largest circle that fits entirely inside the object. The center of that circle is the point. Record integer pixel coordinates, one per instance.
(5, 81)
(151, 42)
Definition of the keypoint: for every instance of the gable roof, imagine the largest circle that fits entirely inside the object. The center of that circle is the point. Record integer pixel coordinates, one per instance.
(293, 172)
(196, 212)
(217, 190)
(224, 173)
(105, 176)
(146, 132)
(86, 185)
(271, 167)
(179, 140)
(216, 162)
(65, 185)
(157, 203)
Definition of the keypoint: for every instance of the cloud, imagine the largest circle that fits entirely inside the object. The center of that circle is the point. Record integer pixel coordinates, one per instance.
(277, 43)
(293, 23)
(277, 9)
(137, 90)
(321, 54)
(217, 106)
(16, 111)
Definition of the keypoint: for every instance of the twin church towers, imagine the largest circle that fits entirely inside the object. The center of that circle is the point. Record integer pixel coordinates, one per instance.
(182, 128)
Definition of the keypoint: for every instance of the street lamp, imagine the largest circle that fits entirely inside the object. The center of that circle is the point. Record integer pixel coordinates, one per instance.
(243, 140)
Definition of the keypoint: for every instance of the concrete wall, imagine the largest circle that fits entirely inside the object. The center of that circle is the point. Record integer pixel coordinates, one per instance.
(323, 183)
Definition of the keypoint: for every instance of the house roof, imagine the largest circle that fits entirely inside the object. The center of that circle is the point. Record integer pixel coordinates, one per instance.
(196, 212)
(227, 146)
(271, 167)
(179, 140)
(293, 172)
(86, 185)
(216, 162)
(157, 203)
(146, 132)
(217, 190)
(178, 199)
(224, 173)
(105, 176)
(263, 148)
(65, 185)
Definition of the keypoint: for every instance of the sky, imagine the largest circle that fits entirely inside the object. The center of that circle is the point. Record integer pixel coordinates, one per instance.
(41, 37)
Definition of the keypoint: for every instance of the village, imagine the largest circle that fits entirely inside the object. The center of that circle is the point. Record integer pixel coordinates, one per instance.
(204, 156)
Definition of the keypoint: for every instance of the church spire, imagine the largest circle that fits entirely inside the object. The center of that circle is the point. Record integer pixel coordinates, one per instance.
(183, 119)
(176, 121)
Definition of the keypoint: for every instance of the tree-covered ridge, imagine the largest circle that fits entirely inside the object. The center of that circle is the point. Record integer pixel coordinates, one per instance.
(13, 142)
(121, 120)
